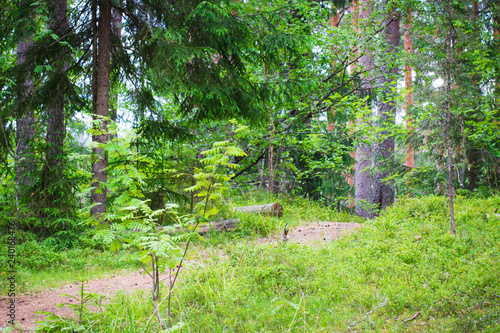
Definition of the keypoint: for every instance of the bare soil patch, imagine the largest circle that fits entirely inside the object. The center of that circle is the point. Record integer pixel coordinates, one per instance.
(47, 300)
(321, 232)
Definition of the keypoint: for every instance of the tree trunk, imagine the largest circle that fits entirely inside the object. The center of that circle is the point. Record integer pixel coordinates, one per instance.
(474, 153)
(362, 169)
(410, 154)
(274, 209)
(25, 131)
(56, 127)
(363, 181)
(101, 111)
(449, 185)
(383, 188)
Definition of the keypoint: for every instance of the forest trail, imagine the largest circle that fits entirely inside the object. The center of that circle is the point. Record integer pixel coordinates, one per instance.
(47, 300)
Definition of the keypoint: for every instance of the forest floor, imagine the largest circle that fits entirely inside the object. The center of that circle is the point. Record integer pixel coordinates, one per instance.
(48, 300)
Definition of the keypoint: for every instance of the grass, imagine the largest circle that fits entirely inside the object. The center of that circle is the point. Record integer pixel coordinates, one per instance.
(296, 211)
(41, 266)
(401, 272)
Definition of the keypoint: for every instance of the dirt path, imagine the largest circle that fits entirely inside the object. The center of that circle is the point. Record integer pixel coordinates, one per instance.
(47, 300)
(319, 232)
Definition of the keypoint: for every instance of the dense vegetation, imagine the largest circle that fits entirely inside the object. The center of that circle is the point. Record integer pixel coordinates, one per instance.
(402, 271)
(122, 121)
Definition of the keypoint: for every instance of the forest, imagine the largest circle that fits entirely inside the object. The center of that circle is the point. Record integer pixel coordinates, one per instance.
(129, 126)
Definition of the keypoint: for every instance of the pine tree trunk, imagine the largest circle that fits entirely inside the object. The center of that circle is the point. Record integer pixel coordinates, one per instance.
(56, 127)
(101, 111)
(363, 181)
(383, 188)
(25, 131)
(449, 183)
(362, 169)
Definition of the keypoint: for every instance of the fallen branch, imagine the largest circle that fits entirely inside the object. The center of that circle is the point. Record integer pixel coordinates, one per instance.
(202, 229)
(384, 303)
(274, 209)
(222, 225)
(413, 317)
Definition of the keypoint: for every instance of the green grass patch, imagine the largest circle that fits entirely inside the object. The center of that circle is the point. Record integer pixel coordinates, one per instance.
(403, 271)
(42, 265)
(296, 211)
(403, 263)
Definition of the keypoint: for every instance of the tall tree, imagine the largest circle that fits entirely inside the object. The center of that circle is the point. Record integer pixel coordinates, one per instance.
(362, 171)
(101, 109)
(25, 119)
(449, 183)
(383, 186)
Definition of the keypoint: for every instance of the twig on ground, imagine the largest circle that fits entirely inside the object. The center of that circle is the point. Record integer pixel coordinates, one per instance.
(413, 317)
(384, 303)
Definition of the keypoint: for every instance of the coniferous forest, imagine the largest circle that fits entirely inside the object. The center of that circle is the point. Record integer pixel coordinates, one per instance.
(142, 136)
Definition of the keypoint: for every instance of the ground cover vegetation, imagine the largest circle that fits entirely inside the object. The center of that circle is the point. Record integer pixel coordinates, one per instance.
(402, 271)
(123, 121)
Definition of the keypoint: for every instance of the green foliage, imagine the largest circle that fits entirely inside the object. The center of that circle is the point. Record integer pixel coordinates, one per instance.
(80, 307)
(401, 263)
(378, 278)
(213, 180)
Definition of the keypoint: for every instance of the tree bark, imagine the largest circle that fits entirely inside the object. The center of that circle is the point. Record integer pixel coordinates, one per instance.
(449, 185)
(101, 111)
(274, 209)
(25, 122)
(474, 153)
(362, 169)
(383, 187)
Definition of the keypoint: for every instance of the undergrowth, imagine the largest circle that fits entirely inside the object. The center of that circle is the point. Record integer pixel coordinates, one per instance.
(401, 272)
(403, 269)
(296, 211)
(46, 264)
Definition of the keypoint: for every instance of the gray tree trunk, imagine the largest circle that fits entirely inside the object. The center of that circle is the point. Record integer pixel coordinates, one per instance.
(362, 171)
(101, 111)
(450, 189)
(25, 131)
(383, 187)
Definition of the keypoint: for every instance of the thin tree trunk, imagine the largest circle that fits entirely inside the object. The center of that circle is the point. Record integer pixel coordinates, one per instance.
(383, 187)
(101, 111)
(450, 189)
